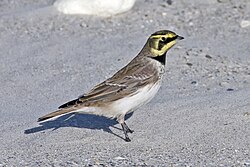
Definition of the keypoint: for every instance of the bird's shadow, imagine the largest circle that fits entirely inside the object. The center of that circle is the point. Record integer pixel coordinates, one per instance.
(78, 121)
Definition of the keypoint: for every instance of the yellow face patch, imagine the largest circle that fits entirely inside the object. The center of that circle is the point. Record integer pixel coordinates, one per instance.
(160, 43)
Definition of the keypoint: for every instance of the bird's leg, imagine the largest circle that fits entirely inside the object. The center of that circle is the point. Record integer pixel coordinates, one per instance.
(125, 130)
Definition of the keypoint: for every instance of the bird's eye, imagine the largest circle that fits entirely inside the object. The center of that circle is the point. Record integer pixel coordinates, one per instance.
(163, 38)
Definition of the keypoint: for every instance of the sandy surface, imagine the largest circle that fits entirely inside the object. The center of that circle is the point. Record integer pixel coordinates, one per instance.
(200, 117)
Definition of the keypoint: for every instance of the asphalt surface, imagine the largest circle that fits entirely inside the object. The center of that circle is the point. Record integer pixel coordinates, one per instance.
(200, 117)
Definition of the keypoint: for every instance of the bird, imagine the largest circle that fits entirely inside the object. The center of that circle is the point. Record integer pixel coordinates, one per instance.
(103, 8)
(129, 88)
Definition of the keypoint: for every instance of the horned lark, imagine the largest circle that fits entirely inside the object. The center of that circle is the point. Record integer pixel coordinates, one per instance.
(132, 86)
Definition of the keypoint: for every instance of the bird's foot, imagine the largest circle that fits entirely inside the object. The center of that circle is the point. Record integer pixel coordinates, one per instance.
(130, 131)
(127, 139)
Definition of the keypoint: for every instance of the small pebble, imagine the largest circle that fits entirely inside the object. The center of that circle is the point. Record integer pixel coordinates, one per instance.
(208, 56)
(189, 64)
(245, 23)
(83, 25)
(164, 14)
(119, 158)
(224, 84)
(190, 23)
(230, 89)
(247, 114)
(169, 2)
(193, 82)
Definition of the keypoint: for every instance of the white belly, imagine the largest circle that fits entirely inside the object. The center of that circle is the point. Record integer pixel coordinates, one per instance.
(143, 96)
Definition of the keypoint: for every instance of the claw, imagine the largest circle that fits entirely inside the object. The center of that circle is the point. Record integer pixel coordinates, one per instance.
(127, 139)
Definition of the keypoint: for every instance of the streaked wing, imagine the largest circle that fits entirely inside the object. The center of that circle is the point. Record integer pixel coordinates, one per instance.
(126, 81)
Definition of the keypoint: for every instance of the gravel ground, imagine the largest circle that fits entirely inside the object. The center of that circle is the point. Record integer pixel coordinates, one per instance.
(200, 117)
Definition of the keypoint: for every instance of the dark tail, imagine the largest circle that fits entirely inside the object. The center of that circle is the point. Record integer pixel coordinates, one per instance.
(56, 113)
(70, 103)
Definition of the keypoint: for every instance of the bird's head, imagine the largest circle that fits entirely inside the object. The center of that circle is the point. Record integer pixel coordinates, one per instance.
(161, 41)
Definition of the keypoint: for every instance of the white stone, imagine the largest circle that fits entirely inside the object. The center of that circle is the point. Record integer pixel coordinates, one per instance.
(94, 7)
(119, 158)
(244, 23)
